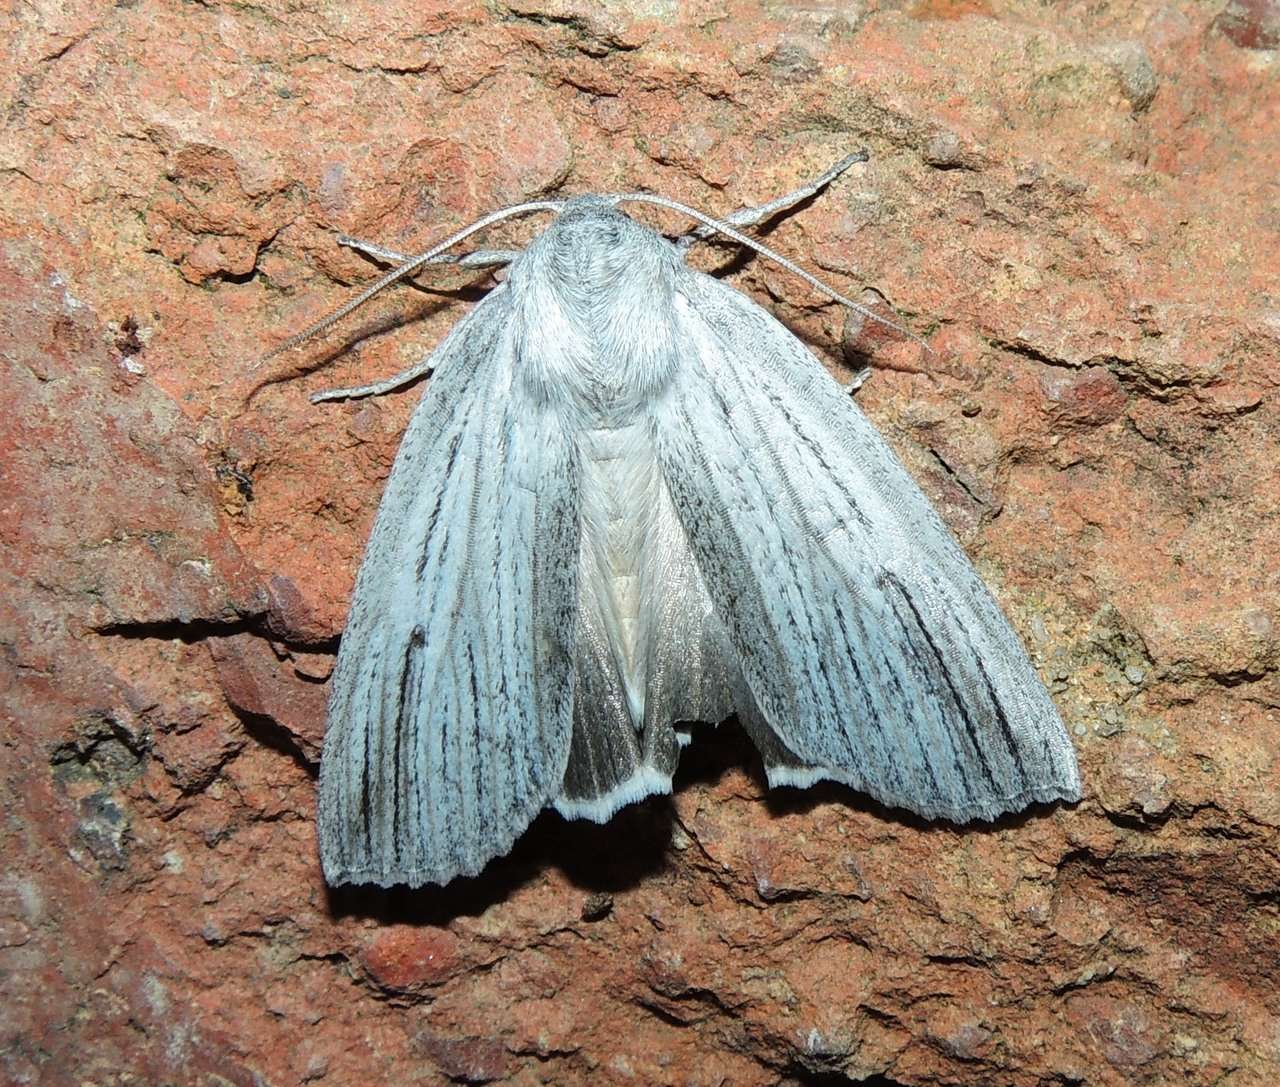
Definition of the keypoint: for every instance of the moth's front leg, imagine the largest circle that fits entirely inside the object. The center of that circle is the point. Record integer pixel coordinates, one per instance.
(752, 216)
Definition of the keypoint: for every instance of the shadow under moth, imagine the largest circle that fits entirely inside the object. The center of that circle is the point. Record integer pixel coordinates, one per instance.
(629, 500)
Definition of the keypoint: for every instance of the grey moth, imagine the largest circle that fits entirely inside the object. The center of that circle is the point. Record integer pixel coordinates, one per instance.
(630, 500)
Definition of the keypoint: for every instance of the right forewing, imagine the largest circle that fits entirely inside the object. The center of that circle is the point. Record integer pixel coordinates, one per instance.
(451, 708)
(872, 650)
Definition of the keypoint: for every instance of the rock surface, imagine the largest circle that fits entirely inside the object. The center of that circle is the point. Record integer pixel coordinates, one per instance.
(1076, 204)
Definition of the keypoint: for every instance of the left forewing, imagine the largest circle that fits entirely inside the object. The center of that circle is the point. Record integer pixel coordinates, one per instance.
(870, 647)
(450, 713)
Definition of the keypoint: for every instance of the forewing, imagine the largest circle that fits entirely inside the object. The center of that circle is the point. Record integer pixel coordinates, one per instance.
(870, 647)
(451, 706)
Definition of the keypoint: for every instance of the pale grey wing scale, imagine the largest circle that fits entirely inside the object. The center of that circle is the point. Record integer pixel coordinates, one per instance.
(451, 709)
(870, 650)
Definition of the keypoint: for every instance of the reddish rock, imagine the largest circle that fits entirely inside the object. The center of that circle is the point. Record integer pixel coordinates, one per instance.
(1121, 1032)
(1253, 24)
(404, 959)
(1074, 208)
(465, 1060)
(959, 1033)
(1088, 398)
(263, 680)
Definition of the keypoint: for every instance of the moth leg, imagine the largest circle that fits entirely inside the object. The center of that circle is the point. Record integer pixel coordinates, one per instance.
(481, 258)
(369, 249)
(752, 216)
(386, 385)
(858, 380)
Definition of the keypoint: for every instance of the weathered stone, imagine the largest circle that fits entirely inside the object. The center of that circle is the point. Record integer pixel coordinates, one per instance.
(1074, 208)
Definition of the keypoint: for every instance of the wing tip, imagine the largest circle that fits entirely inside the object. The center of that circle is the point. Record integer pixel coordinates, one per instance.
(363, 870)
(647, 781)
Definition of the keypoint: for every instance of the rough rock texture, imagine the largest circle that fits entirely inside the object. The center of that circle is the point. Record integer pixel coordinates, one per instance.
(1077, 204)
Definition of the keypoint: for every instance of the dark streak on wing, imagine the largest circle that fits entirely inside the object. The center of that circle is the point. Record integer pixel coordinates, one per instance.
(903, 700)
(872, 717)
(451, 459)
(477, 767)
(729, 540)
(815, 449)
(970, 726)
(791, 555)
(365, 802)
(406, 674)
(1006, 728)
(417, 638)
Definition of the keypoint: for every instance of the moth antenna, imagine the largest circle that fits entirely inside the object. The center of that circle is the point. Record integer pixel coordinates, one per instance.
(407, 268)
(742, 239)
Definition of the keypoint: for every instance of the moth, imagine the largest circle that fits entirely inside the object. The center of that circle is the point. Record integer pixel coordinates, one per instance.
(630, 500)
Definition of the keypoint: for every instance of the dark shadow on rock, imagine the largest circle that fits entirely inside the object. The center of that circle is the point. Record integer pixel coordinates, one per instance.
(271, 734)
(712, 751)
(801, 1077)
(599, 859)
(606, 859)
(788, 800)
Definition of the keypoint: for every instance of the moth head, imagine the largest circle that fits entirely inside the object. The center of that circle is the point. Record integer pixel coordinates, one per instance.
(594, 223)
(592, 246)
